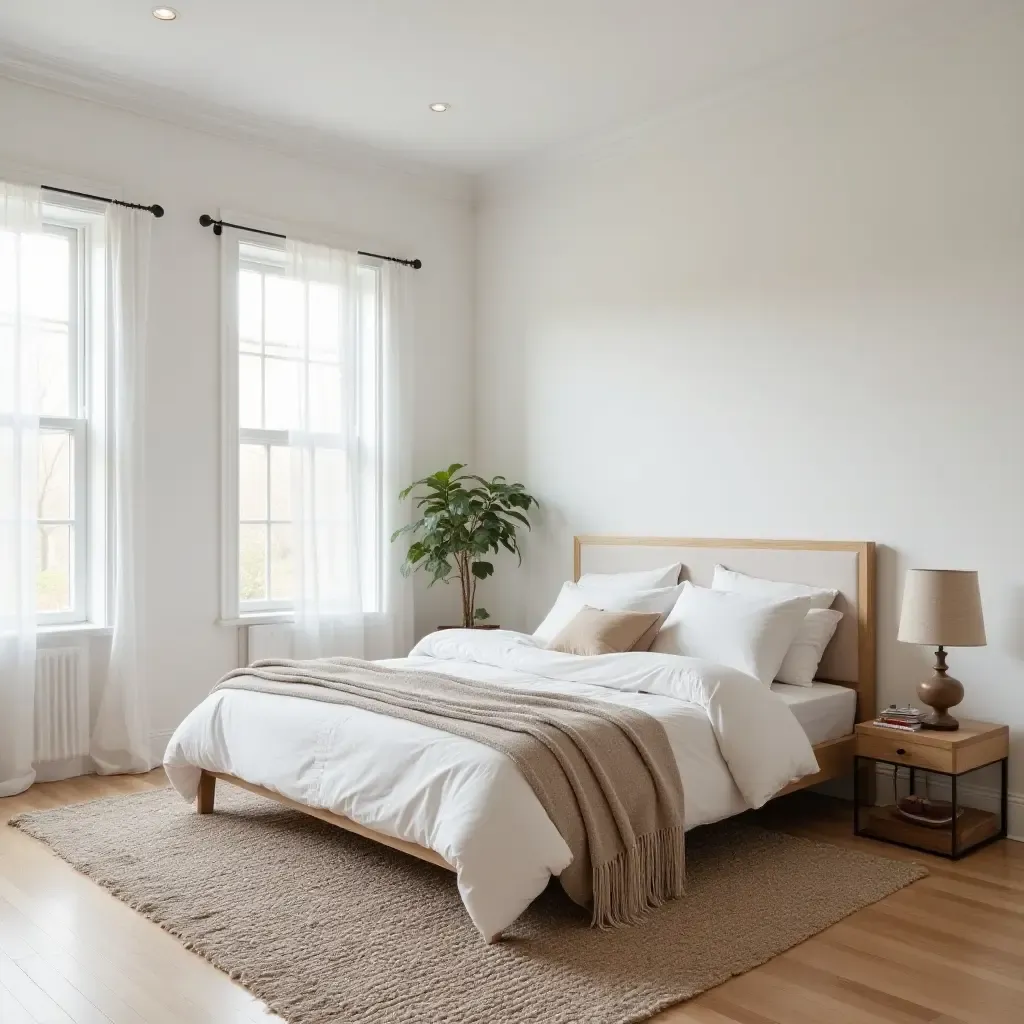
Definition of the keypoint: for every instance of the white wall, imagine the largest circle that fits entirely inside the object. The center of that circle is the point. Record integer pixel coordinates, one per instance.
(191, 172)
(796, 311)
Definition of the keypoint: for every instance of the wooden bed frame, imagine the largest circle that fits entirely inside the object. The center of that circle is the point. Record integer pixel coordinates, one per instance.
(835, 757)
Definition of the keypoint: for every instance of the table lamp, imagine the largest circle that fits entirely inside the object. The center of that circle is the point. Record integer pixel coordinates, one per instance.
(941, 608)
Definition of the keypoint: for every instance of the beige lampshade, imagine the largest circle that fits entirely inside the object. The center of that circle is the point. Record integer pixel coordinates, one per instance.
(942, 608)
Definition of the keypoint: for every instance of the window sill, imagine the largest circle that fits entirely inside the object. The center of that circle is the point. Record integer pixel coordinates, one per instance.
(74, 629)
(272, 618)
(258, 619)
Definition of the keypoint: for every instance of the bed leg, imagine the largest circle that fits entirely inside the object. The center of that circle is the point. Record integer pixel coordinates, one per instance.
(207, 793)
(494, 939)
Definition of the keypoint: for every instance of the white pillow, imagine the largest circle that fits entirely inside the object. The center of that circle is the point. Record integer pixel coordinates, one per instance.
(572, 597)
(800, 665)
(813, 634)
(746, 633)
(644, 579)
(741, 583)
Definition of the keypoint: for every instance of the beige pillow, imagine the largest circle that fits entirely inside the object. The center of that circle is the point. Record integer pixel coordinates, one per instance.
(593, 631)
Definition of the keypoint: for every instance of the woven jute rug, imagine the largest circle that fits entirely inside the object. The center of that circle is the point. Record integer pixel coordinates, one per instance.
(329, 928)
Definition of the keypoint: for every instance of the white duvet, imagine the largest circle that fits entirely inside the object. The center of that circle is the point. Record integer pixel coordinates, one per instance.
(736, 744)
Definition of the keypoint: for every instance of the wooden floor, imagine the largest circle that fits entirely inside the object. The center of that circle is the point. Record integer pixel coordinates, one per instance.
(948, 949)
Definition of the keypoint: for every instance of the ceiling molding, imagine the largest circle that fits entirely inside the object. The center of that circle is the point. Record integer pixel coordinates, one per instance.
(556, 163)
(174, 107)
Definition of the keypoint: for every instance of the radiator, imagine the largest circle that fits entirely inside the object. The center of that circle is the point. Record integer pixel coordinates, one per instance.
(272, 640)
(62, 704)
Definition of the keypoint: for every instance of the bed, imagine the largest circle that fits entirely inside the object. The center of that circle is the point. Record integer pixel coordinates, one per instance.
(464, 807)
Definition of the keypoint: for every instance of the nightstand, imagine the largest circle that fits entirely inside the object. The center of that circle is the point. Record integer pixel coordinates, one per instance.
(891, 766)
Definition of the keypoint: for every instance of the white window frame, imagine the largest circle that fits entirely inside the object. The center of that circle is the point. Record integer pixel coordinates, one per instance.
(233, 610)
(91, 583)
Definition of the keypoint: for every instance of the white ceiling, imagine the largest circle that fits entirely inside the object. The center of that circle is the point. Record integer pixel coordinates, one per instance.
(521, 76)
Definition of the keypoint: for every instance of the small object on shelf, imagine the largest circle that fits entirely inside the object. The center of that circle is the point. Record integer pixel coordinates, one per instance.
(908, 717)
(909, 711)
(923, 811)
(898, 726)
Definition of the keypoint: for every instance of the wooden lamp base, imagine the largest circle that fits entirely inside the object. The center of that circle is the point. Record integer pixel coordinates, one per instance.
(941, 692)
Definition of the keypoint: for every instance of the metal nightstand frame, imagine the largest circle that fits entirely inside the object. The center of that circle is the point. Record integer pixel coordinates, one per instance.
(1004, 763)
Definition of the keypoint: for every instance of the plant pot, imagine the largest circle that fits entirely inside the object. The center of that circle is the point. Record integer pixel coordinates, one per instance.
(480, 626)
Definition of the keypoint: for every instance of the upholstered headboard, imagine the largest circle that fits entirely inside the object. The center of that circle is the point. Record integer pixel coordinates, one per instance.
(846, 566)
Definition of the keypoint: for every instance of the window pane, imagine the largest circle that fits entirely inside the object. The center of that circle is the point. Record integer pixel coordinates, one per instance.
(282, 394)
(324, 398)
(252, 482)
(6, 358)
(250, 307)
(250, 392)
(55, 475)
(280, 483)
(7, 276)
(368, 281)
(53, 579)
(323, 321)
(54, 383)
(331, 485)
(45, 265)
(284, 324)
(252, 563)
(282, 563)
(369, 360)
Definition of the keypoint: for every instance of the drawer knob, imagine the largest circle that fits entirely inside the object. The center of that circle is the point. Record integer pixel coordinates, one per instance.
(900, 751)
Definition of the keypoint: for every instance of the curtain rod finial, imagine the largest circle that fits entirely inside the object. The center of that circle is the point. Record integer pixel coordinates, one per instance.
(157, 210)
(416, 264)
(206, 220)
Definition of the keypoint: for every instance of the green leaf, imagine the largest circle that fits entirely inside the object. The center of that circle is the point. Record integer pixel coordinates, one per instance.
(408, 528)
(481, 570)
(416, 553)
(402, 495)
(519, 516)
(482, 613)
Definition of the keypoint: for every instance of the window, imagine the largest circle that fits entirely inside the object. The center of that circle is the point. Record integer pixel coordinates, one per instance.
(288, 366)
(56, 273)
(268, 311)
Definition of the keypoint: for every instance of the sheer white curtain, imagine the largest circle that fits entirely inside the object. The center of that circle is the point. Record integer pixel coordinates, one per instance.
(20, 215)
(398, 284)
(349, 450)
(120, 739)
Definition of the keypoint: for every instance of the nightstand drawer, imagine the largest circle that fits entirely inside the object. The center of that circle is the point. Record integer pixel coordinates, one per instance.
(902, 749)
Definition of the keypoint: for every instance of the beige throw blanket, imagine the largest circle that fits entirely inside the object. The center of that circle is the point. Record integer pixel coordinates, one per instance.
(605, 774)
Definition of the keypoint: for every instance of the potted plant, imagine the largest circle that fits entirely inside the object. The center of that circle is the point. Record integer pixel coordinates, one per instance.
(462, 519)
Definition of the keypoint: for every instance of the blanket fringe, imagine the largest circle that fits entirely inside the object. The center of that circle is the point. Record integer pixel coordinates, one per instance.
(639, 879)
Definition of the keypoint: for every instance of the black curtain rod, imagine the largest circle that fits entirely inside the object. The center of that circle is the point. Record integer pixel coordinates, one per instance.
(219, 225)
(155, 209)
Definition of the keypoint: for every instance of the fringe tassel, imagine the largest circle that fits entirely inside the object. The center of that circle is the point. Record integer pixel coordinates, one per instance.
(639, 879)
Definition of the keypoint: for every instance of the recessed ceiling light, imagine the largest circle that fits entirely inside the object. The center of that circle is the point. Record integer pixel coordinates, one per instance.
(439, 108)
(164, 13)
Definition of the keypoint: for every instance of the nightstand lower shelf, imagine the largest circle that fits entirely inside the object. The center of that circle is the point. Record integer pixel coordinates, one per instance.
(974, 828)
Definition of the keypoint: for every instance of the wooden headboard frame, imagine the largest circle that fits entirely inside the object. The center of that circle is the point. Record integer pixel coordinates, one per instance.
(865, 553)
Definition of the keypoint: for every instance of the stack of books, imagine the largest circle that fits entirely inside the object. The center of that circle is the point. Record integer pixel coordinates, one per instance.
(906, 719)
